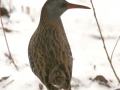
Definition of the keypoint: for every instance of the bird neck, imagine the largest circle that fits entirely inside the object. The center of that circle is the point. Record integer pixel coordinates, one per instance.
(51, 28)
(46, 21)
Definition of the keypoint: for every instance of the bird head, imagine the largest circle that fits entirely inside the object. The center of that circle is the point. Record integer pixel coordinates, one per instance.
(55, 8)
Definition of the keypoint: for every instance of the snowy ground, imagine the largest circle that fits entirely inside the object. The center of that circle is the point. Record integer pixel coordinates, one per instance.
(89, 56)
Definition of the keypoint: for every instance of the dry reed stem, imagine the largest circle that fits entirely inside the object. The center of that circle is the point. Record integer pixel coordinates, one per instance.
(7, 42)
(104, 42)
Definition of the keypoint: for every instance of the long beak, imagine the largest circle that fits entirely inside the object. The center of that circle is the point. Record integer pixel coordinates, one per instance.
(70, 6)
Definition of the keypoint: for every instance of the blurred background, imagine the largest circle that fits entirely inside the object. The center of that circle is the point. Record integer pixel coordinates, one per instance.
(91, 69)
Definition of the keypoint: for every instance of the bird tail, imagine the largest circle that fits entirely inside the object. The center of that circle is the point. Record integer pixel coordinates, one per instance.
(58, 79)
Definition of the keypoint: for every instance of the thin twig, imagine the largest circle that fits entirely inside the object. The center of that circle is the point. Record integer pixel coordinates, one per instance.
(103, 41)
(114, 47)
(7, 42)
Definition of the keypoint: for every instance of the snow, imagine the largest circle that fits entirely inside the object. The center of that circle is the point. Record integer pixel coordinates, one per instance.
(82, 33)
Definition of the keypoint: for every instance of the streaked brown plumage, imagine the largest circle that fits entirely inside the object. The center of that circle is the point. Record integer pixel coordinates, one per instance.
(49, 51)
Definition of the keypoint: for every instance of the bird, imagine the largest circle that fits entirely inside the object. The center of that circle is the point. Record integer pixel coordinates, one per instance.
(49, 52)
(4, 12)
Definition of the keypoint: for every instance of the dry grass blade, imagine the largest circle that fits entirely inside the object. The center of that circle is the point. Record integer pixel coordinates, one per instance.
(7, 42)
(8, 83)
(103, 41)
(114, 47)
